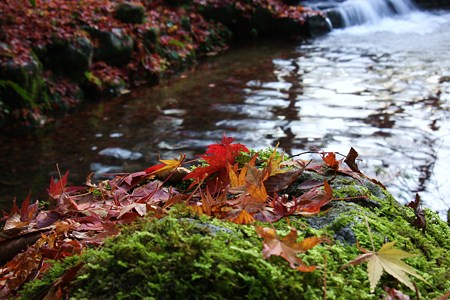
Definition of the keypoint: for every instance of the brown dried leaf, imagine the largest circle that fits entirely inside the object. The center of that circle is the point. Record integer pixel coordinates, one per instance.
(287, 247)
(350, 160)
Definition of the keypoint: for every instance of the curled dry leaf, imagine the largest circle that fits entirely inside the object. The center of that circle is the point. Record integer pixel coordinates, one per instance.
(420, 221)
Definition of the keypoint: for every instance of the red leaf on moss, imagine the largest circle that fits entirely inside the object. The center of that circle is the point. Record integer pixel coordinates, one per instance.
(217, 157)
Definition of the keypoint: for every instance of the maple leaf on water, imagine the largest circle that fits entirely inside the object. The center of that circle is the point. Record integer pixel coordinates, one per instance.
(388, 259)
(217, 157)
(288, 247)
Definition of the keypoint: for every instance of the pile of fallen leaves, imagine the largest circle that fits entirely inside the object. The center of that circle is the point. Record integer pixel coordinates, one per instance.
(222, 184)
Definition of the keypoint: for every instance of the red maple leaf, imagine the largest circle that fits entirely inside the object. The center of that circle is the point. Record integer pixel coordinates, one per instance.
(217, 157)
(310, 202)
(56, 188)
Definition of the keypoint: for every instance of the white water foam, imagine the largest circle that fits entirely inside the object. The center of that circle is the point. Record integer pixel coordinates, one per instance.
(417, 22)
(357, 12)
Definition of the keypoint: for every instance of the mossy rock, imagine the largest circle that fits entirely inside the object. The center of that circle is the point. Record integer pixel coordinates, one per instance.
(23, 89)
(114, 47)
(130, 12)
(186, 256)
(70, 59)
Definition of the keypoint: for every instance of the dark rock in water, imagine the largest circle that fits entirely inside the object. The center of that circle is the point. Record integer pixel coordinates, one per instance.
(70, 59)
(120, 153)
(114, 47)
(130, 12)
(430, 4)
(335, 18)
(317, 25)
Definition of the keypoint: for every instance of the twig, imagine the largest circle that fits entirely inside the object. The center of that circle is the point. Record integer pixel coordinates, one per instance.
(370, 234)
(324, 277)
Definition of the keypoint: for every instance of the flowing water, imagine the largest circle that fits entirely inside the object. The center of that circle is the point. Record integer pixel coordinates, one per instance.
(380, 87)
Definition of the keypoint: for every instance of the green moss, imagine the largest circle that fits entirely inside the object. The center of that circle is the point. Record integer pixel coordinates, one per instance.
(184, 256)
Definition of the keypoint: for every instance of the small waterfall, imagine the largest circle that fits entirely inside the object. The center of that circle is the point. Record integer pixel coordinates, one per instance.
(357, 12)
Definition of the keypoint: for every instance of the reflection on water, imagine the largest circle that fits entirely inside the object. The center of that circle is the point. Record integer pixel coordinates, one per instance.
(386, 94)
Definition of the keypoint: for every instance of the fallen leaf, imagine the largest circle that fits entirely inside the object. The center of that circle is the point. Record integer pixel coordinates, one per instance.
(420, 221)
(387, 259)
(243, 218)
(282, 181)
(56, 187)
(217, 157)
(350, 160)
(287, 247)
(167, 167)
(330, 160)
(393, 294)
(313, 200)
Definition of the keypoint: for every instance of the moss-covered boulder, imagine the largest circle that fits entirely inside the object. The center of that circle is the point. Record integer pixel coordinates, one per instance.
(23, 89)
(113, 47)
(69, 59)
(130, 12)
(186, 256)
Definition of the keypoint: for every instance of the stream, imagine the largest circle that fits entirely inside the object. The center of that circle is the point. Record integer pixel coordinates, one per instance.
(381, 87)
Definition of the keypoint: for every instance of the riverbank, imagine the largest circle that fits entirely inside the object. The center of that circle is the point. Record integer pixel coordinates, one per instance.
(55, 55)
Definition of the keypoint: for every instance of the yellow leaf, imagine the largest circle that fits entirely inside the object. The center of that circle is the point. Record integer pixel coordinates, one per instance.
(387, 259)
(243, 218)
(273, 164)
(167, 167)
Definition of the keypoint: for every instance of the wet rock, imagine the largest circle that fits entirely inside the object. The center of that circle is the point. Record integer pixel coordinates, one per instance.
(22, 85)
(130, 12)
(114, 47)
(335, 18)
(120, 153)
(102, 171)
(317, 25)
(177, 2)
(70, 59)
(226, 14)
(429, 4)
(208, 228)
